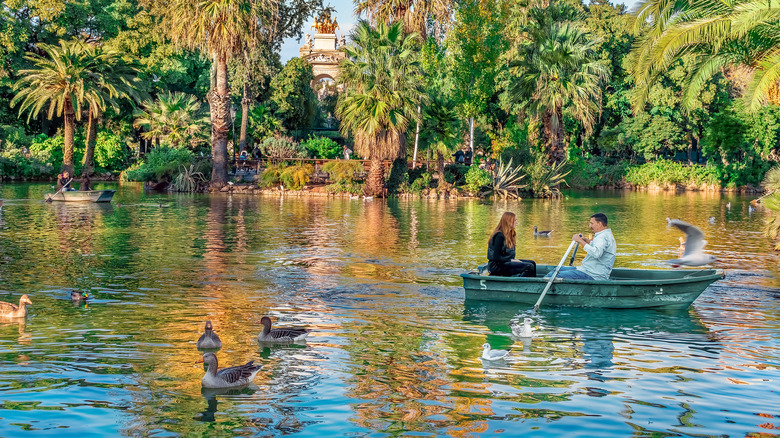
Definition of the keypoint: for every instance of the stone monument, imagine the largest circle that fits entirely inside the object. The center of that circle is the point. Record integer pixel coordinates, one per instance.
(322, 51)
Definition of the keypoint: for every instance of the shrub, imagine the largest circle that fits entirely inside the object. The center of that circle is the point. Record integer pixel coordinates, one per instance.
(455, 174)
(160, 164)
(14, 137)
(421, 183)
(672, 172)
(476, 179)
(296, 176)
(14, 164)
(322, 147)
(53, 146)
(110, 151)
(344, 186)
(597, 171)
(342, 170)
(271, 175)
(282, 147)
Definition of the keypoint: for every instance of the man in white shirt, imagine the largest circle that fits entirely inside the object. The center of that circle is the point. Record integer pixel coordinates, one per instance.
(601, 252)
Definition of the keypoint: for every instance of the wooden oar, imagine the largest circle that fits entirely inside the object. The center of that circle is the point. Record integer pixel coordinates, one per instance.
(555, 273)
(49, 199)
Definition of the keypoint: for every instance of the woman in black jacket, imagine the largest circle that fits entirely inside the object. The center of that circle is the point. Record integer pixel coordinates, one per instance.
(501, 251)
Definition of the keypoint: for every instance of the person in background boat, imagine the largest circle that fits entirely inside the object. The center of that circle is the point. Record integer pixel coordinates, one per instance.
(597, 265)
(86, 185)
(501, 251)
(63, 181)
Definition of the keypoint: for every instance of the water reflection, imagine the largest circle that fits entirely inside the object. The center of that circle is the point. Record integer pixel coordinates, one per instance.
(394, 349)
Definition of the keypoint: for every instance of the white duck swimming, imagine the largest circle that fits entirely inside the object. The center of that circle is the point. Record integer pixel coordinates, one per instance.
(524, 331)
(209, 339)
(9, 310)
(227, 377)
(489, 354)
(281, 335)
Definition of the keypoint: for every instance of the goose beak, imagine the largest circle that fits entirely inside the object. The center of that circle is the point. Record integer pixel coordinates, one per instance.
(199, 360)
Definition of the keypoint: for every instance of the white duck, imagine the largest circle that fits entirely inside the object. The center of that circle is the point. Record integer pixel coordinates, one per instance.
(281, 335)
(9, 310)
(489, 354)
(524, 331)
(209, 339)
(227, 377)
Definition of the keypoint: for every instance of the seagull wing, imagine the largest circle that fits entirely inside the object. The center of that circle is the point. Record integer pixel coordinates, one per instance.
(694, 237)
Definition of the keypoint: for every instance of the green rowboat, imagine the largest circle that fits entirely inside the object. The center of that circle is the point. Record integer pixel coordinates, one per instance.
(82, 196)
(625, 289)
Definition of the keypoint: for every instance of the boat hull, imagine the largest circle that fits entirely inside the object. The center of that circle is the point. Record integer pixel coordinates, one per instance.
(626, 288)
(83, 196)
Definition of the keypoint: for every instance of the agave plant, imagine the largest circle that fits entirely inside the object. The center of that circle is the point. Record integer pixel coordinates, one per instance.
(505, 181)
(187, 180)
(545, 179)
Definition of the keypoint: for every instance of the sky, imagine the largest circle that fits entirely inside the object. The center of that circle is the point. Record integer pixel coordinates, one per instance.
(346, 22)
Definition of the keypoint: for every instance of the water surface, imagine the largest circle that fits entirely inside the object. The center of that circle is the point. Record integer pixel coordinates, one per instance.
(395, 348)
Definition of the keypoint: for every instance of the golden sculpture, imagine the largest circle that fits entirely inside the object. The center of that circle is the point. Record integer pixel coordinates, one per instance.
(324, 24)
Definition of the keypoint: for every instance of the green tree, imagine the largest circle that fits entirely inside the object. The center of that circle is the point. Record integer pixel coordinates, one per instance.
(292, 99)
(114, 79)
(175, 118)
(382, 78)
(476, 44)
(439, 126)
(64, 82)
(720, 35)
(424, 17)
(222, 29)
(556, 69)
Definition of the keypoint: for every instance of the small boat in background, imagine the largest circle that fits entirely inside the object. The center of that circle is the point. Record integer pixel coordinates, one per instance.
(625, 289)
(82, 196)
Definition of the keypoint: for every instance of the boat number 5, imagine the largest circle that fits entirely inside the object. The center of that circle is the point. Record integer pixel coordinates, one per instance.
(482, 285)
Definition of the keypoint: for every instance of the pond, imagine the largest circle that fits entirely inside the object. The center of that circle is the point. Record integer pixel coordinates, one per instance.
(394, 348)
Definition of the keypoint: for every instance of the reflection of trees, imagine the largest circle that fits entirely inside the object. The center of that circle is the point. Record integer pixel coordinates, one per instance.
(395, 377)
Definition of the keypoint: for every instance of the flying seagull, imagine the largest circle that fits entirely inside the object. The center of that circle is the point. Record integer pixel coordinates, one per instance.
(694, 245)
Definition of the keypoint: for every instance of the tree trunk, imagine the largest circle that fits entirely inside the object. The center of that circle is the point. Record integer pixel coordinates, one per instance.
(244, 115)
(471, 134)
(556, 151)
(219, 102)
(89, 153)
(376, 178)
(416, 137)
(440, 169)
(70, 130)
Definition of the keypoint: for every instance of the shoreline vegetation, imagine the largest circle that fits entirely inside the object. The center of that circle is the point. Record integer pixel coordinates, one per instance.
(537, 95)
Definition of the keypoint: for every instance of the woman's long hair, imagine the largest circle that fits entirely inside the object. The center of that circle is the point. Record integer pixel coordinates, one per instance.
(506, 226)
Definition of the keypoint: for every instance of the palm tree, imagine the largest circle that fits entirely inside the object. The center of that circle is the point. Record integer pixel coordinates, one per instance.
(420, 16)
(176, 118)
(558, 68)
(720, 35)
(223, 29)
(64, 82)
(440, 122)
(382, 78)
(114, 79)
